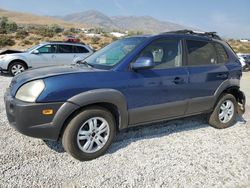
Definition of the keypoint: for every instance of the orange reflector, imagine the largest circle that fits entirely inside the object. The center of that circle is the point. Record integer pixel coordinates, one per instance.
(48, 112)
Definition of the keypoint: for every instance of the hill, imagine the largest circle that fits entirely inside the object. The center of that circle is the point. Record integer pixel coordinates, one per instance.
(146, 24)
(31, 19)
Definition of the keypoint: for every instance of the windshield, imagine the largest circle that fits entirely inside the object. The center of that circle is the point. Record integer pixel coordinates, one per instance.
(33, 47)
(111, 55)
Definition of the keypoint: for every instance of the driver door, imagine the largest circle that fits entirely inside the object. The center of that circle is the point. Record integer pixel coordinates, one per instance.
(45, 57)
(160, 92)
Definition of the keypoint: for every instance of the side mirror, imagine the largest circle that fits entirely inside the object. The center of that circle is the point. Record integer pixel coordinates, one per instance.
(35, 52)
(143, 63)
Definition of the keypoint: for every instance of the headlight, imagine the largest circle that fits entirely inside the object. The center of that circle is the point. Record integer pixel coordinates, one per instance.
(30, 91)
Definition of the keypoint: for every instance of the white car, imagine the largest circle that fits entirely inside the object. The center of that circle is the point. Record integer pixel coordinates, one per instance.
(244, 60)
(44, 54)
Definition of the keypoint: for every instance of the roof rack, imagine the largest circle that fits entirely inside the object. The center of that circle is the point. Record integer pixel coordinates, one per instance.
(197, 33)
(66, 42)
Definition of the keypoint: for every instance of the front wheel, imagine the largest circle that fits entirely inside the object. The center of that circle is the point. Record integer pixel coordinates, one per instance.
(224, 113)
(16, 68)
(89, 134)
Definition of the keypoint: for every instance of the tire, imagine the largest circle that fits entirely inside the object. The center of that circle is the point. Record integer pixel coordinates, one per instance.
(16, 68)
(77, 136)
(218, 119)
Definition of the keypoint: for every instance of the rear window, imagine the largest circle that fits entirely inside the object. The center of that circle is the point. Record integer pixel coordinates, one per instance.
(65, 48)
(80, 49)
(201, 53)
(222, 54)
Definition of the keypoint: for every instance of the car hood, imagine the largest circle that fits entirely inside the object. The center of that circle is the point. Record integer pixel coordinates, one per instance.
(45, 72)
(16, 54)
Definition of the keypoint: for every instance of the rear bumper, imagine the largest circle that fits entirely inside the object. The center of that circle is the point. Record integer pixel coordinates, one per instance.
(241, 103)
(27, 118)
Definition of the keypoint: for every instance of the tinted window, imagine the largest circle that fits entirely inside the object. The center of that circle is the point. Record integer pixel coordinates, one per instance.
(166, 53)
(47, 49)
(201, 53)
(80, 49)
(65, 48)
(222, 54)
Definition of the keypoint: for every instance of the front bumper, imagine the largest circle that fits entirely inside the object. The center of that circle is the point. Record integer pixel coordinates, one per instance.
(27, 118)
(2, 70)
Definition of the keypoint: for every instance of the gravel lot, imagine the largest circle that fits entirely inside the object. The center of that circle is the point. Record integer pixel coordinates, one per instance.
(179, 153)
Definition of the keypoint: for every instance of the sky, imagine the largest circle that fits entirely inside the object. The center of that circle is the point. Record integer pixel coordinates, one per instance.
(230, 18)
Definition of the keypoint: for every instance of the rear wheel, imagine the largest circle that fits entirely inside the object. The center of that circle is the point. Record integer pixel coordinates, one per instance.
(224, 114)
(17, 68)
(89, 134)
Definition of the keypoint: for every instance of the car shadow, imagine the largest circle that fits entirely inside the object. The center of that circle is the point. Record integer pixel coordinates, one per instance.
(5, 74)
(157, 130)
(149, 131)
(55, 145)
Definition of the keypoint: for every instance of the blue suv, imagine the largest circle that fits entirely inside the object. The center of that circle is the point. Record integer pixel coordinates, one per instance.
(133, 81)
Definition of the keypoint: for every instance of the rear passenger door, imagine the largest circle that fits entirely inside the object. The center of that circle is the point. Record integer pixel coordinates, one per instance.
(206, 66)
(65, 54)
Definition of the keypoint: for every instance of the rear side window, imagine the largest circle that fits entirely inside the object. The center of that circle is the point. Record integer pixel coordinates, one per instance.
(65, 48)
(221, 52)
(201, 53)
(80, 49)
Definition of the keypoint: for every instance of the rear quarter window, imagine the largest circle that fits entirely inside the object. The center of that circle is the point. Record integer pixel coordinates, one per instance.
(80, 49)
(221, 53)
(65, 48)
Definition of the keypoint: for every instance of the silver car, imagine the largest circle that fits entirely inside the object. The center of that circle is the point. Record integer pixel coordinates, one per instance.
(44, 54)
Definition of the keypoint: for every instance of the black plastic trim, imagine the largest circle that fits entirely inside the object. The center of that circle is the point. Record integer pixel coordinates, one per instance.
(111, 96)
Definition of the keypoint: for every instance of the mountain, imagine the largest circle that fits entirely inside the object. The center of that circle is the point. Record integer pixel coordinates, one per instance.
(92, 18)
(146, 24)
(31, 19)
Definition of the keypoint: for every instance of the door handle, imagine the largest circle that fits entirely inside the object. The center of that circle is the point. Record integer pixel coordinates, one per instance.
(222, 75)
(53, 56)
(178, 80)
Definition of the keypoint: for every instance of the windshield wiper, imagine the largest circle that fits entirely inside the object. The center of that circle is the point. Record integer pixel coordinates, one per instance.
(85, 63)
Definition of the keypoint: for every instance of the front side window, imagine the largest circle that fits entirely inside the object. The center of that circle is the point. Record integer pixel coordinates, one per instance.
(201, 53)
(47, 49)
(113, 53)
(166, 53)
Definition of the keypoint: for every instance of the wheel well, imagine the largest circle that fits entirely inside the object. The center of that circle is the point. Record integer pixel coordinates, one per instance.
(17, 60)
(233, 91)
(108, 106)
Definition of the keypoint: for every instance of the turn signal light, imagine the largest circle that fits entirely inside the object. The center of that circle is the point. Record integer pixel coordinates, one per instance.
(48, 112)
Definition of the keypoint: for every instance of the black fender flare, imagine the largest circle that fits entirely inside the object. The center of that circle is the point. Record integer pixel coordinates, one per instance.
(227, 85)
(110, 96)
(96, 96)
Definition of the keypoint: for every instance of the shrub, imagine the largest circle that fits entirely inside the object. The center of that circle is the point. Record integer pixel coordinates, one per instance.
(6, 40)
(21, 34)
(56, 28)
(46, 32)
(95, 40)
(6, 26)
(27, 42)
